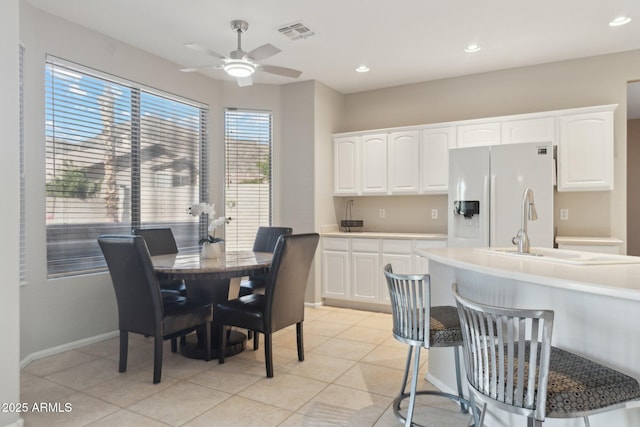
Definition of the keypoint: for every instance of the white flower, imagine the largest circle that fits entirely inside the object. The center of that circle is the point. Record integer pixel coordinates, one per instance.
(198, 209)
(217, 222)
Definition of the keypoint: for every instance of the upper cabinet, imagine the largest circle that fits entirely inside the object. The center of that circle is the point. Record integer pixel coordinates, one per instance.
(346, 165)
(434, 159)
(585, 151)
(415, 160)
(374, 164)
(528, 130)
(404, 162)
(473, 135)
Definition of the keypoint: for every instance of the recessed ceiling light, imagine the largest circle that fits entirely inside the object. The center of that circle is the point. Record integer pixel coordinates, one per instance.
(472, 48)
(620, 20)
(362, 69)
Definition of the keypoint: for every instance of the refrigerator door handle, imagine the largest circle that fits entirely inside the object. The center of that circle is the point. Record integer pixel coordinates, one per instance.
(492, 211)
(487, 230)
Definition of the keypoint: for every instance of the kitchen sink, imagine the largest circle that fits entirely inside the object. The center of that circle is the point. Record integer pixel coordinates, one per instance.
(563, 256)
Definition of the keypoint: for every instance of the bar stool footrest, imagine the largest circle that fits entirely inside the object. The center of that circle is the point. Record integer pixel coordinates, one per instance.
(464, 403)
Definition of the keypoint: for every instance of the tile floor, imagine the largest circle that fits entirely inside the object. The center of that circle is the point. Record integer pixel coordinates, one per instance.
(351, 373)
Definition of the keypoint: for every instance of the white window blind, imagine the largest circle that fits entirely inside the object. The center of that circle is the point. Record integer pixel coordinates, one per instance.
(248, 148)
(118, 156)
(23, 258)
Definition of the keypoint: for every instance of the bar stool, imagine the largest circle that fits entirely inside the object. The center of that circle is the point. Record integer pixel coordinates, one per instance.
(511, 364)
(413, 317)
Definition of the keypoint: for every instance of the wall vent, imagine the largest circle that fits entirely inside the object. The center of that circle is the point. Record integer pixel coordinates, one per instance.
(296, 31)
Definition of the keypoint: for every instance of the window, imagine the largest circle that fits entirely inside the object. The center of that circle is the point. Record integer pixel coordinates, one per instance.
(23, 258)
(247, 175)
(118, 156)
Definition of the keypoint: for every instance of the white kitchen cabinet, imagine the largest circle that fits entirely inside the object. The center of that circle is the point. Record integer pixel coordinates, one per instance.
(374, 164)
(434, 159)
(346, 163)
(365, 270)
(541, 129)
(403, 160)
(585, 152)
(335, 268)
(474, 135)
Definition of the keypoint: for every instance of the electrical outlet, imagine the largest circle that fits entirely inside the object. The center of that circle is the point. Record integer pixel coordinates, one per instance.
(434, 213)
(564, 214)
(382, 213)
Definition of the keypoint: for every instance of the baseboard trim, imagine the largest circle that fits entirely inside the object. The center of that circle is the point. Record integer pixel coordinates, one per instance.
(313, 304)
(66, 347)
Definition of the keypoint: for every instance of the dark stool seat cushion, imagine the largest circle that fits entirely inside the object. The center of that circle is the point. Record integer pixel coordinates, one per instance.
(577, 384)
(445, 327)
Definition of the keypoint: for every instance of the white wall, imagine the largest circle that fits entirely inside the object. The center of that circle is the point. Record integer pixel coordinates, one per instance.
(567, 84)
(9, 214)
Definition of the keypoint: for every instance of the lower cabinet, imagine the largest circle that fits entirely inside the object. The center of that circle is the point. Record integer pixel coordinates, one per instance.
(352, 268)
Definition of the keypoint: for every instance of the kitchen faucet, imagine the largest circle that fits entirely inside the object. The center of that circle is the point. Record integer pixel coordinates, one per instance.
(528, 214)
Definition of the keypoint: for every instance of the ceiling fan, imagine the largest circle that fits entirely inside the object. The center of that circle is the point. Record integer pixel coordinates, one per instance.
(241, 64)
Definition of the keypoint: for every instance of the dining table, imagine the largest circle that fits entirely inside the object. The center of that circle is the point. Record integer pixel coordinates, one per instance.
(212, 280)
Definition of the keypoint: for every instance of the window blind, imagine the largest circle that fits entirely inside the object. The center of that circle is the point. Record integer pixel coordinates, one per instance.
(22, 231)
(248, 163)
(118, 156)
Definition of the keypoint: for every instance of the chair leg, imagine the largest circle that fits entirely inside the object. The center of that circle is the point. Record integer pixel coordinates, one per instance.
(300, 341)
(207, 340)
(414, 385)
(256, 340)
(174, 345)
(406, 371)
(268, 356)
(586, 422)
(223, 343)
(124, 350)
(157, 359)
(456, 350)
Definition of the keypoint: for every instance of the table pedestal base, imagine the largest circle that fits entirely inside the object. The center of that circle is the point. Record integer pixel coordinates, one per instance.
(194, 348)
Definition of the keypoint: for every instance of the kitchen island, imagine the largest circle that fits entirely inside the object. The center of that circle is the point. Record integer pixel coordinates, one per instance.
(597, 312)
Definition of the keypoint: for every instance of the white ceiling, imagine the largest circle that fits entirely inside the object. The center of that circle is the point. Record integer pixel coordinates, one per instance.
(402, 41)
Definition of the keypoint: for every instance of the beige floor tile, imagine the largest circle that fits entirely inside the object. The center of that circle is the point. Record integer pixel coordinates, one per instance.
(289, 340)
(107, 348)
(300, 420)
(345, 349)
(57, 362)
(225, 379)
(179, 403)
(325, 327)
(350, 317)
(382, 321)
(392, 357)
(240, 412)
(282, 357)
(346, 406)
(372, 379)
(315, 313)
(446, 414)
(369, 335)
(125, 390)
(35, 389)
(87, 374)
(127, 418)
(82, 411)
(321, 367)
(284, 391)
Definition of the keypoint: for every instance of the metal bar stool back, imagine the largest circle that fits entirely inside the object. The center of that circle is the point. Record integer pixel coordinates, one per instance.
(512, 365)
(418, 324)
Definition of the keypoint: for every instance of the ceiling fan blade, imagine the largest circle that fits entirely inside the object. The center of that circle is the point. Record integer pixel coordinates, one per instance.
(262, 52)
(244, 81)
(204, 67)
(281, 71)
(203, 49)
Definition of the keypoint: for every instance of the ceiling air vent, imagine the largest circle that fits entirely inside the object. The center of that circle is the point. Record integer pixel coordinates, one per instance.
(296, 31)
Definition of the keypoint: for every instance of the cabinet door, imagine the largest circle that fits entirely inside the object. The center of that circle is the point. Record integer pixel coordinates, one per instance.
(585, 152)
(346, 164)
(404, 162)
(530, 130)
(434, 159)
(374, 164)
(480, 134)
(335, 274)
(366, 274)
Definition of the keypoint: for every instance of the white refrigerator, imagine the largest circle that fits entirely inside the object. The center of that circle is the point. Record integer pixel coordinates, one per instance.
(486, 186)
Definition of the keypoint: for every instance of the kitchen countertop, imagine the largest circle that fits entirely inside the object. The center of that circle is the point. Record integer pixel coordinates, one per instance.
(592, 241)
(614, 280)
(386, 235)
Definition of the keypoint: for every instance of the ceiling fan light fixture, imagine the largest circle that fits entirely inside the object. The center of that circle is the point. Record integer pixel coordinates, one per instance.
(619, 21)
(239, 68)
(362, 69)
(472, 48)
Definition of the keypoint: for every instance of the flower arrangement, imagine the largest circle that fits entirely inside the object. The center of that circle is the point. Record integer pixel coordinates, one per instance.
(198, 209)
